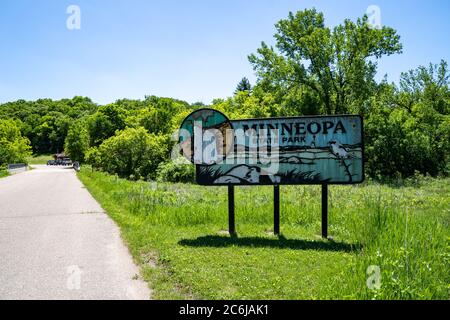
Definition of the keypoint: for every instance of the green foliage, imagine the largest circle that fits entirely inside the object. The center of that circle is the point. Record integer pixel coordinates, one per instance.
(93, 157)
(428, 86)
(244, 86)
(243, 106)
(3, 173)
(13, 147)
(131, 153)
(176, 171)
(159, 115)
(77, 141)
(105, 122)
(46, 122)
(405, 131)
(336, 65)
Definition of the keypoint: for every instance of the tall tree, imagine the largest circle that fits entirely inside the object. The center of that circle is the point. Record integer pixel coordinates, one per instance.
(243, 86)
(427, 85)
(77, 141)
(338, 64)
(105, 122)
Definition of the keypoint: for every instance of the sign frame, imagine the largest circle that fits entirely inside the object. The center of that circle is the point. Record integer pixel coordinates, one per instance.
(363, 159)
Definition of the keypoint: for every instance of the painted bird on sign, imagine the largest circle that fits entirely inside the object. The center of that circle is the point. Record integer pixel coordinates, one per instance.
(339, 150)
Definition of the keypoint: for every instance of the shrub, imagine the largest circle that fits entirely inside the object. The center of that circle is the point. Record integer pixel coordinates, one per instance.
(132, 153)
(176, 171)
(399, 143)
(93, 157)
(13, 147)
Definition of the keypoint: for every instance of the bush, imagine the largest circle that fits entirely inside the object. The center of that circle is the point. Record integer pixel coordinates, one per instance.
(400, 144)
(93, 157)
(176, 171)
(13, 147)
(131, 153)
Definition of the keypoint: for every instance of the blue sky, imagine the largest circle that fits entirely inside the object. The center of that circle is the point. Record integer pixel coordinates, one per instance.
(194, 50)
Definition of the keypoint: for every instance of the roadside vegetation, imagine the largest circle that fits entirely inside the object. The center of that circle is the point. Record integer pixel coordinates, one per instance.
(39, 159)
(177, 233)
(3, 173)
(14, 147)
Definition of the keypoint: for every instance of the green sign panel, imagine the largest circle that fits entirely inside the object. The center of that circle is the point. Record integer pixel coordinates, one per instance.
(274, 151)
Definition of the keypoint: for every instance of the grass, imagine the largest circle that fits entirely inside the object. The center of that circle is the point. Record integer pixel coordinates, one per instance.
(176, 233)
(39, 159)
(3, 173)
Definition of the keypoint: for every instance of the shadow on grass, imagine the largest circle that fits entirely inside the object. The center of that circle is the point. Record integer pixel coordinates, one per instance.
(280, 243)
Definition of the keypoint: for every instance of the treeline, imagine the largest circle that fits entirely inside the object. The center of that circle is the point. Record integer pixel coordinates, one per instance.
(311, 70)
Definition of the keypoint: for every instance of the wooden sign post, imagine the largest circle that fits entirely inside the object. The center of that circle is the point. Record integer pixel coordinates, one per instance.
(231, 217)
(276, 210)
(325, 211)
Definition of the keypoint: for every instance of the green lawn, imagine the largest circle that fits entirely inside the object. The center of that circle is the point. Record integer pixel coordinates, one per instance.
(177, 234)
(39, 159)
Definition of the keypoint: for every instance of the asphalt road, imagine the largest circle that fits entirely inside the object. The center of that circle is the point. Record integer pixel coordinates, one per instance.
(56, 242)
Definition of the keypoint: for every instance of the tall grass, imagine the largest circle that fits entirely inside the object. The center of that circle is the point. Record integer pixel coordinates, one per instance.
(39, 159)
(404, 230)
(3, 173)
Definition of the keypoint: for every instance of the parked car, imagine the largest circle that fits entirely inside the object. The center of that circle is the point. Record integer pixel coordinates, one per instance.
(60, 162)
(66, 162)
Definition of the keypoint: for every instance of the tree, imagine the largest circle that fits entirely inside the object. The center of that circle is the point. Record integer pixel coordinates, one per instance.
(49, 132)
(425, 95)
(159, 115)
(426, 85)
(45, 122)
(243, 86)
(242, 106)
(13, 147)
(404, 133)
(77, 141)
(336, 65)
(105, 122)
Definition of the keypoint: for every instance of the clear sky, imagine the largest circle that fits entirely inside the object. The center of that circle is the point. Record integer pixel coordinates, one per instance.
(194, 50)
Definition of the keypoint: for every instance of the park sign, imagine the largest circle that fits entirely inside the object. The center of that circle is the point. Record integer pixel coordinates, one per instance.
(316, 150)
(274, 151)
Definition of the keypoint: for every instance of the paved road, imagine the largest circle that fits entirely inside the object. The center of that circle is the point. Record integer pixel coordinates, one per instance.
(56, 242)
